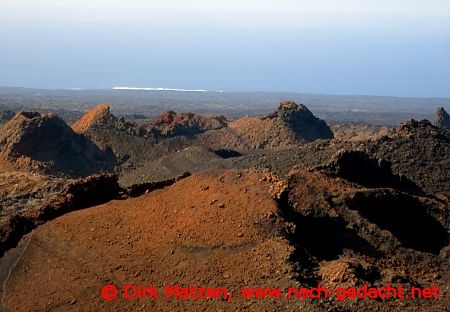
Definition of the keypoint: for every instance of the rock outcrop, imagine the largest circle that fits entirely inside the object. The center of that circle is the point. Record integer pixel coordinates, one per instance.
(46, 143)
(301, 121)
(358, 167)
(171, 124)
(100, 117)
(125, 139)
(413, 127)
(80, 194)
(290, 124)
(357, 231)
(419, 151)
(442, 119)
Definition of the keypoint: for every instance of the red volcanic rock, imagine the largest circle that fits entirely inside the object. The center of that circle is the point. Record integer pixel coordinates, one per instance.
(90, 117)
(46, 143)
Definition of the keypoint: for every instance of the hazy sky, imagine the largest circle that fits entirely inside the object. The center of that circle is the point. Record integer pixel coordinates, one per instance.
(395, 47)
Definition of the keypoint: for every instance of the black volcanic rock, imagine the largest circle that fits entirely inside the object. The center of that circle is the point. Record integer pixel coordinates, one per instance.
(442, 119)
(46, 143)
(170, 124)
(289, 125)
(125, 139)
(419, 151)
(358, 167)
(301, 121)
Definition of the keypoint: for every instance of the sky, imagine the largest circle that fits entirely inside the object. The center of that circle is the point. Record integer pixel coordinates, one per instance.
(396, 47)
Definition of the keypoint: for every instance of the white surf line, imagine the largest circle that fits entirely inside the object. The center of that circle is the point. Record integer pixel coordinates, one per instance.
(163, 89)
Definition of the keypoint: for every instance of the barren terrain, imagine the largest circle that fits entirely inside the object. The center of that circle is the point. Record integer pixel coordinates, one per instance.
(283, 200)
